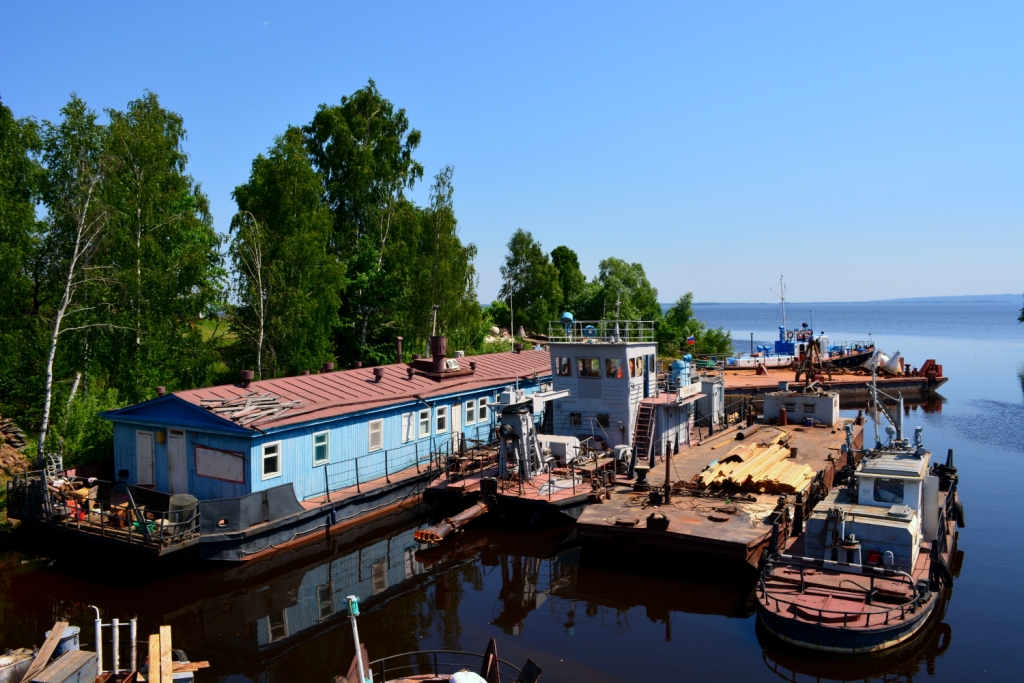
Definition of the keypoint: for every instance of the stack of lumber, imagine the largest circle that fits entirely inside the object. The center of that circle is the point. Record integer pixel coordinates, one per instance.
(10, 434)
(252, 408)
(764, 467)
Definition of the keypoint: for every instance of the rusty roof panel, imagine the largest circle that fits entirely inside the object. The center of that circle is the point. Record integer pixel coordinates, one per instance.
(350, 391)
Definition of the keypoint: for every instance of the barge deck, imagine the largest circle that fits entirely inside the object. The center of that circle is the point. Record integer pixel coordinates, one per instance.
(724, 523)
(851, 386)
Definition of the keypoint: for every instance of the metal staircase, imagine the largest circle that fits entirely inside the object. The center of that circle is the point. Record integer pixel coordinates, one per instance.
(643, 430)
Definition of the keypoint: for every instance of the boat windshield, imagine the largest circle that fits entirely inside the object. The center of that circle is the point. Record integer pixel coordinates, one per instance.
(889, 490)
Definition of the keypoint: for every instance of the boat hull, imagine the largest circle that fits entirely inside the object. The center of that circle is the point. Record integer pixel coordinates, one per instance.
(849, 641)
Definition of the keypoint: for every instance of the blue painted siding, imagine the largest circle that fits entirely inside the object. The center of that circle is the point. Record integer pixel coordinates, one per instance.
(349, 443)
(200, 487)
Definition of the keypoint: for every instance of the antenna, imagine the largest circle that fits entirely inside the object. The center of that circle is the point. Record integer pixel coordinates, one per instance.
(782, 295)
(433, 324)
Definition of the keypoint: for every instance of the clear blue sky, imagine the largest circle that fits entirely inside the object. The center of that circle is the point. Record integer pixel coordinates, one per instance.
(866, 150)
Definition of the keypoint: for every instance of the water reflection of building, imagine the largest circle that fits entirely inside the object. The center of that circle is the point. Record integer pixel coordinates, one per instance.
(368, 571)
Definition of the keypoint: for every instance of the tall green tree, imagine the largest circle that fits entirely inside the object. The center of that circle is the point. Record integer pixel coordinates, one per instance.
(570, 278)
(621, 284)
(75, 228)
(363, 149)
(531, 282)
(19, 326)
(443, 275)
(288, 281)
(162, 255)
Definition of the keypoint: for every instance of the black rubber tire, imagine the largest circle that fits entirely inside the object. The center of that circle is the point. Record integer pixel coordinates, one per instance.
(958, 514)
(944, 572)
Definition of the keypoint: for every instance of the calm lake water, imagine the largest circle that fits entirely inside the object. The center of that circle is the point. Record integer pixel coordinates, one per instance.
(581, 620)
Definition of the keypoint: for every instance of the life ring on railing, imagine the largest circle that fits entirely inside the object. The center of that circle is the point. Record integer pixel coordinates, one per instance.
(589, 331)
(789, 335)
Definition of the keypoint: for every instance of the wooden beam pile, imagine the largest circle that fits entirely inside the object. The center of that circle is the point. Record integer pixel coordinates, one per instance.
(11, 435)
(246, 410)
(764, 468)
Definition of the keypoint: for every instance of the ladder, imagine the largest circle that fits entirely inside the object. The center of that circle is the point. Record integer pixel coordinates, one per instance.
(643, 431)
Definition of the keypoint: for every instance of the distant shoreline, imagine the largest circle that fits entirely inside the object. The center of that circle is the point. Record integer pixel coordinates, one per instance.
(967, 298)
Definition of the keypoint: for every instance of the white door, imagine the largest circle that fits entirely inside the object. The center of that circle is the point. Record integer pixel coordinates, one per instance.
(177, 465)
(143, 458)
(456, 426)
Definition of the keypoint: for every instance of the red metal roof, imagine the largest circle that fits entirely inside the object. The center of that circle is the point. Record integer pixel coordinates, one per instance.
(350, 391)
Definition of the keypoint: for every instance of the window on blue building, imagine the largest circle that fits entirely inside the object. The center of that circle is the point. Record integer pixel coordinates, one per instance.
(271, 460)
(441, 415)
(481, 410)
(376, 435)
(424, 423)
(321, 448)
(470, 412)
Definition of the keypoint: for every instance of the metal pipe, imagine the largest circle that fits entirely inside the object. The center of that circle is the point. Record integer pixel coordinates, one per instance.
(98, 626)
(353, 612)
(115, 624)
(134, 631)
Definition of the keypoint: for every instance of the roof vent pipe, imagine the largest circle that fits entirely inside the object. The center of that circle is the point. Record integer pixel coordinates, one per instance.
(410, 370)
(305, 372)
(328, 366)
(472, 365)
(398, 349)
(518, 348)
(438, 350)
(160, 391)
(246, 377)
(357, 364)
(378, 374)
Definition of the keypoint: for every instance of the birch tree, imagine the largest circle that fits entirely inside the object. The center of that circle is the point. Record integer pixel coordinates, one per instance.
(74, 229)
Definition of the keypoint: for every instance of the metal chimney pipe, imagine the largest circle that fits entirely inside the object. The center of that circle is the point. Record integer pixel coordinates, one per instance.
(305, 372)
(398, 349)
(328, 366)
(160, 391)
(472, 365)
(378, 374)
(357, 364)
(246, 377)
(410, 370)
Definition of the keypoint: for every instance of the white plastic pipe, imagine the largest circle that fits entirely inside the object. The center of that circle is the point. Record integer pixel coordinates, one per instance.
(97, 624)
(115, 624)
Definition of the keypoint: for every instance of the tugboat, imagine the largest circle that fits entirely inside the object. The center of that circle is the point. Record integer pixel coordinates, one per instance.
(874, 560)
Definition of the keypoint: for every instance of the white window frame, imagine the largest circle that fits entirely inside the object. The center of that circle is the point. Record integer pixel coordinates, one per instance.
(327, 446)
(423, 417)
(469, 412)
(440, 414)
(408, 431)
(483, 408)
(379, 423)
(263, 457)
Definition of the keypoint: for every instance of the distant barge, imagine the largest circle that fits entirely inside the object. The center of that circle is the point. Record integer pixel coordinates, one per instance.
(851, 387)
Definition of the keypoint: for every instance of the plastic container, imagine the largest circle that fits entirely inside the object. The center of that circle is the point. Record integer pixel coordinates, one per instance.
(808, 422)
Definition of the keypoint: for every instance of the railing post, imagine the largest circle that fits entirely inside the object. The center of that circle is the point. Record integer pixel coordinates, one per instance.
(356, 461)
(386, 478)
(327, 485)
(416, 451)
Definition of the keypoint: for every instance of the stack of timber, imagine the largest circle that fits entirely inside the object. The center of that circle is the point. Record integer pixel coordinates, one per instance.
(765, 467)
(252, 408)
(11, 435)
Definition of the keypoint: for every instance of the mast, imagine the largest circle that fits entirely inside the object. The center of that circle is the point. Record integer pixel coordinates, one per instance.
(782, 295)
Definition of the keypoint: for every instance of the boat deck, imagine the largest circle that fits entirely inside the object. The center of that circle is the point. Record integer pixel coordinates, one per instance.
(725, 523)
(850, 385)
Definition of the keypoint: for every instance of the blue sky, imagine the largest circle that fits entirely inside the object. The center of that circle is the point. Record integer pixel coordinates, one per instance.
(866, 150)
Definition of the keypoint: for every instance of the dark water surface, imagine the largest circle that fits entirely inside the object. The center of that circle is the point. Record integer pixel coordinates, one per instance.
(578, 617)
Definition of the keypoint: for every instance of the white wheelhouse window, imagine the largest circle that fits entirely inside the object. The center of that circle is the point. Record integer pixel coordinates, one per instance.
(440, 419)
(424, 426)
(376, 435)
(481, 412)
(270, 460)
(471, 412)
(321, 448)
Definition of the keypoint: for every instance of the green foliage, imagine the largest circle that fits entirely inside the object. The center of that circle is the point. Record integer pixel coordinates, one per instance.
(362, 149)
(85, 436)
(531, 281)
(161, 254)
(287, 282)
(619, 281)
(442, 274)
(570, 278)
(21, 336)
(499, 314)
(679, 324)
